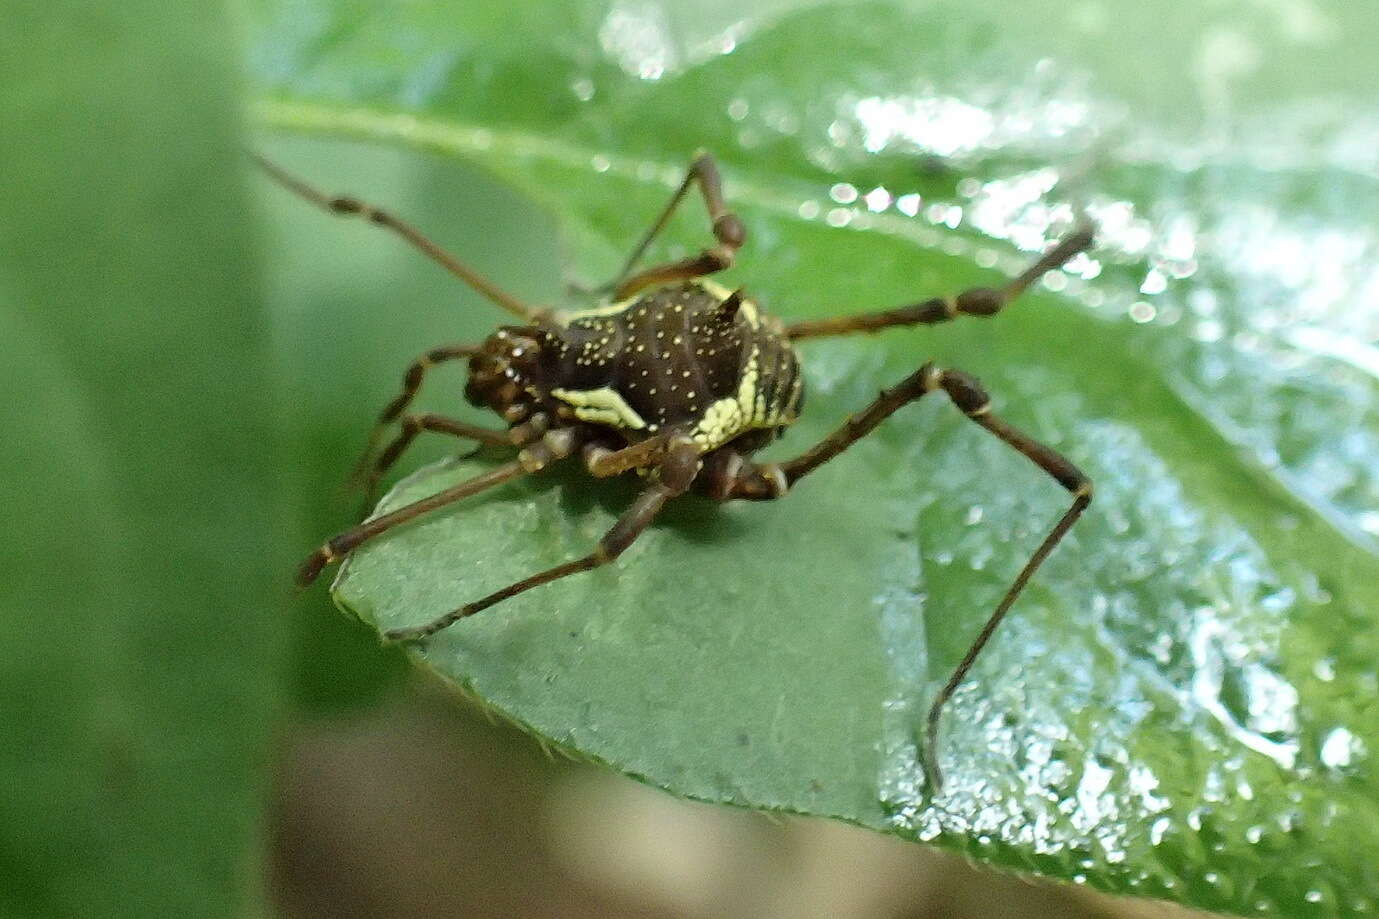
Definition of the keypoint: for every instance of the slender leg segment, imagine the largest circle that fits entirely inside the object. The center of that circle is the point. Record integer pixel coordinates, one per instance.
(411, 383)
(675, 473)
(979, 301)
(345, 205)
(771, 480)
(727, 230)
(556, 445)
(412, 425)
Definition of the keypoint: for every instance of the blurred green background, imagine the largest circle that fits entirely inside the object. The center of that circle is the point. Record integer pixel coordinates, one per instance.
(191, 359)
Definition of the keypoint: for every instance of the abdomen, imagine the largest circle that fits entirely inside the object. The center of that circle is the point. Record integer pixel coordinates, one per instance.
(678, 357)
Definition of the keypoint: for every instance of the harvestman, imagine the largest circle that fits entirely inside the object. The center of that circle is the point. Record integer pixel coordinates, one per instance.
(679, 379)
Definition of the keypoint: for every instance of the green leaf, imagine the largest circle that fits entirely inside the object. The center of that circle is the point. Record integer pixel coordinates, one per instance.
(142, 591)
(1182, 705)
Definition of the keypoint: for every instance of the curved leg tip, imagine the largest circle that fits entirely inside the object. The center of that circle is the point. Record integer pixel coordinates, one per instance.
(405, 636)
(310, 569)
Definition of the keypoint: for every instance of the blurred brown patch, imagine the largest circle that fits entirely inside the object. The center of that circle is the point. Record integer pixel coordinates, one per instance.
(421, 807)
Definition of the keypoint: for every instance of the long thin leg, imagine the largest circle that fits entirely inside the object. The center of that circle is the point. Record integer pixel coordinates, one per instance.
(727, 230)
(412, 425)
(674, 475)
(345, 205)
(555, 445)
(979, 301)
(968, 395)
(411, 382)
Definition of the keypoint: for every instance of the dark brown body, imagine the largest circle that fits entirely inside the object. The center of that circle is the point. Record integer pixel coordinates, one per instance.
(689, 358)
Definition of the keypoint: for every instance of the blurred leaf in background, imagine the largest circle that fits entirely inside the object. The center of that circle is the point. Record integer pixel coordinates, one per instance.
(142, 597)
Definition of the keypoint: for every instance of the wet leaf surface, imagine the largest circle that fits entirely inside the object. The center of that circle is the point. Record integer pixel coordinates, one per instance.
(1183, 705)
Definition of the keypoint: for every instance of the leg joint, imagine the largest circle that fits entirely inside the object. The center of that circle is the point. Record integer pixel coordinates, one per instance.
(344, 204)
(966, 392)
(310, 569)
(680, 465)
(335, 549)
(730, 231)
(534, 458)
(596, 459)
(719, 257)
(529, 430)
(554, 445)
(777, 484)
(980, 301)
(930, 378)
(768, 481)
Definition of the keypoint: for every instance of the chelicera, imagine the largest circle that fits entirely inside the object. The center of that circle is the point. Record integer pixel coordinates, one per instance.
(676, 378)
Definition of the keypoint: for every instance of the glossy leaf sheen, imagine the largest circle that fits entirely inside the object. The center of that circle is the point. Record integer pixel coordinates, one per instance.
(1183, 704)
